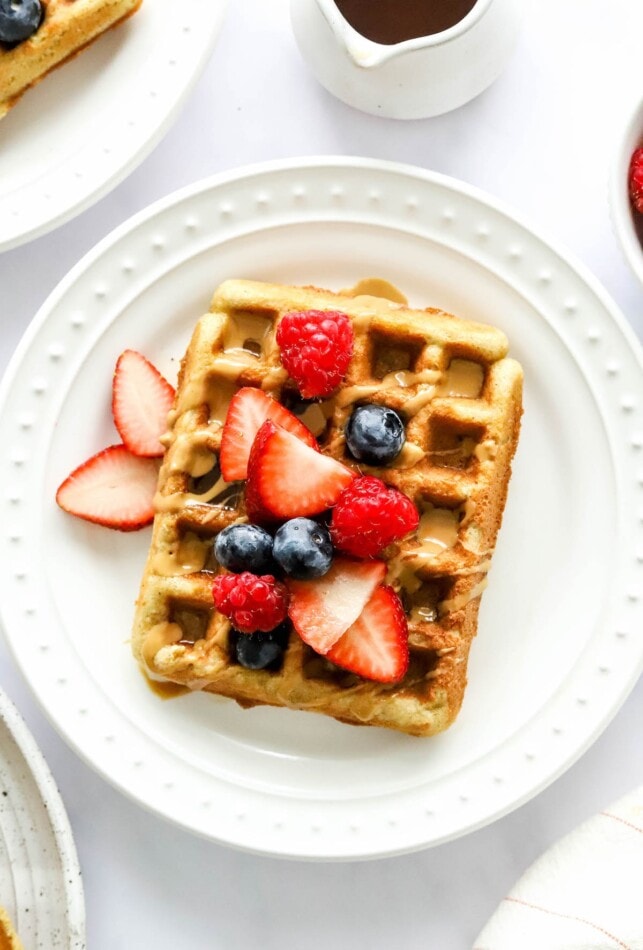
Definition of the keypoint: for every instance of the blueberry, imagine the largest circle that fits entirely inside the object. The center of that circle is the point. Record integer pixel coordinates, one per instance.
(375, 434)
(19, 19)
(259, 651)
(303, 549)
(244, 547)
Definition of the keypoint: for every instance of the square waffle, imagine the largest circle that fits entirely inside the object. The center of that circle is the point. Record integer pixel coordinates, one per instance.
(460, 397)
(67, 27)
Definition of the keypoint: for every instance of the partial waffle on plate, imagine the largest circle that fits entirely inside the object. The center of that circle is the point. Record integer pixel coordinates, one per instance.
(64, 28)
(8, 936)
(460, 399)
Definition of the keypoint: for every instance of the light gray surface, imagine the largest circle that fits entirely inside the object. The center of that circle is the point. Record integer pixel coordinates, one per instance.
(541, 140)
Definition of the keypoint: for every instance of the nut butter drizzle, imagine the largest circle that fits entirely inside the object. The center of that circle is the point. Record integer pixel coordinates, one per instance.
(188, 556)
(439, 528)
(161, 635)
(463, 378)
(437, 531)
(191, 454)
(246, 332)
(461, 600)
(173, 503)
(245, 338)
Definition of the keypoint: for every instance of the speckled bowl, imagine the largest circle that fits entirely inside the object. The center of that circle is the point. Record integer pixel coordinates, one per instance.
(621, 209)
(40, 882)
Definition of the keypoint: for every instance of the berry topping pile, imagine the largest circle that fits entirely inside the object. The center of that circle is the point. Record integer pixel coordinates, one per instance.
(250, 601)
(316, 348)
(115, 488)
(308, 556)
(635, 180)
(369, 515)
(338, 605)
(19, 19)
(375, 435)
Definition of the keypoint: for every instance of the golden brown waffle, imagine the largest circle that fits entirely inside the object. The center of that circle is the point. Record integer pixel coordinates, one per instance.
(461, 399)
(68, 26)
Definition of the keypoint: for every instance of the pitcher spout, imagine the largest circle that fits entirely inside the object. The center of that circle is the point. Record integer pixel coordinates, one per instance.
(363, 53)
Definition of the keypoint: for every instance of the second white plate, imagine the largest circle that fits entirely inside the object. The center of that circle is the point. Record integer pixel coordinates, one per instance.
(40, 882)
(87, 125)
(557, 650)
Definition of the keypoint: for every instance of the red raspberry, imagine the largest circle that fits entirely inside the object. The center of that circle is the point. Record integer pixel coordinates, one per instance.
(369, 515)
(251, 602)
(316, 348)
(635, 180)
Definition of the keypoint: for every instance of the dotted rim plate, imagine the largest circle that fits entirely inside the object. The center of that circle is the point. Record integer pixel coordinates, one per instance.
(130, 115)
(41, 885)
(206, 225)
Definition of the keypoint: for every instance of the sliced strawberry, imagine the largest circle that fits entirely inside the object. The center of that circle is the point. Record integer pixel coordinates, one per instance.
(287, 478)
(141, 400)
(377, 645)
(113, 488)
(247, 412)
(322, 610)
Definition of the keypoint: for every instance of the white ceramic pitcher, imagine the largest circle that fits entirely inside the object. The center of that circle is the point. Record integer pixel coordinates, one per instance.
(410, 80)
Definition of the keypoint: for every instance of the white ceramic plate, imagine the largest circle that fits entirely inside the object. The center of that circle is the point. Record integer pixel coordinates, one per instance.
(40, 883)
(87, 125)
(558, 647)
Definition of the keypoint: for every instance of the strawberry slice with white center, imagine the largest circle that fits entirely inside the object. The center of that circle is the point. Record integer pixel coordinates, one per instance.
(288, 479)
(376, 646)
(141, 400)
(113, 488)
(248, 410)
(322, 610)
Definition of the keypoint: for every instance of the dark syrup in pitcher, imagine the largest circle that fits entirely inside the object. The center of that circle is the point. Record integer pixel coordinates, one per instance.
(393, 21)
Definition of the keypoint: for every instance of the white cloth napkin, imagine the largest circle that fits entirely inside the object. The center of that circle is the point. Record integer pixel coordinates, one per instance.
(585, 893)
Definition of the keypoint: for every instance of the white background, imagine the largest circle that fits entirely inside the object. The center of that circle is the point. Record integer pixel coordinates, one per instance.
(541, 139)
